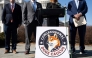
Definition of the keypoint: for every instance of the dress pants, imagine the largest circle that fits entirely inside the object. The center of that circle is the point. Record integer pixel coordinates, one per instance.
(81, 32)
(31, 27)
(10, 34)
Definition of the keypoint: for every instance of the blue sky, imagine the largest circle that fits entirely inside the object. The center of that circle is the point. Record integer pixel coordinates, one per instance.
(88, 15)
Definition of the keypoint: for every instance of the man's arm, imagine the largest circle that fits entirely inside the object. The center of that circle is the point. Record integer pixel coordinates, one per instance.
(4, 14)
(84, 11)
(39, 16)
(24, 13)
(20, 16)
(69, 10)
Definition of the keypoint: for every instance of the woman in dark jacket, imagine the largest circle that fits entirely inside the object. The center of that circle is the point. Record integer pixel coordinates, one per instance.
(53, 21)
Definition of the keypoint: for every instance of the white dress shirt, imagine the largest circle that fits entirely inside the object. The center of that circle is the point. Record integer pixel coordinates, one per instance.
(77, 3)
(12, 5)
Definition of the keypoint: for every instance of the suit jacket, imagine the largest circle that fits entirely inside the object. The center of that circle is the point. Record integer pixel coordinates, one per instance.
(72, 9)
(53, 6)
(28, 13)
(55, 19)
(16, 15)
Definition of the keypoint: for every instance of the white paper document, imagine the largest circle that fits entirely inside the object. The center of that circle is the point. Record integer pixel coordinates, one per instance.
(81, 21)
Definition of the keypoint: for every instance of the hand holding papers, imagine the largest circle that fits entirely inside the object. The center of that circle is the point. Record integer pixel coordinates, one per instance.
(81, 21)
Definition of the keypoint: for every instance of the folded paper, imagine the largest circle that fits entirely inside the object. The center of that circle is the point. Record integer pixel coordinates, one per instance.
(81, 21)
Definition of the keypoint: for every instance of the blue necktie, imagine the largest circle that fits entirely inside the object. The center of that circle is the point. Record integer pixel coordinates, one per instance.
(34, 7)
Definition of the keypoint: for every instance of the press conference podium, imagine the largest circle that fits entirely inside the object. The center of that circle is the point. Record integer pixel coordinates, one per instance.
(43, 32)
(45, 13)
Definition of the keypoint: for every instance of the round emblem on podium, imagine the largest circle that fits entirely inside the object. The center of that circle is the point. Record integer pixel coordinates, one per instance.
(52, 43)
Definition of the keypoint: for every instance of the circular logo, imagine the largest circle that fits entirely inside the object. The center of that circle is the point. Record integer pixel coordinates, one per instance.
(52, 43)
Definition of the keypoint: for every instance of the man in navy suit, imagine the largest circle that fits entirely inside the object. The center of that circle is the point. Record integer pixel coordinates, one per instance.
(11, 18)
(76, 9)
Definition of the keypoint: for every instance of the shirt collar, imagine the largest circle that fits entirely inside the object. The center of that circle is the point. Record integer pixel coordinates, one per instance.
(76, 0)
(33, 1)
(12, 4)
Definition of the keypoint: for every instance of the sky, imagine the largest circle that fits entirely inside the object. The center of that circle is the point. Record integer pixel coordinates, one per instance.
(88, 14)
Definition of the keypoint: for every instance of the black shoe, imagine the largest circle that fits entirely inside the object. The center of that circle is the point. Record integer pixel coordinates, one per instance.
(83, 52)
(26, 52)
(72, 51)
(6, 51)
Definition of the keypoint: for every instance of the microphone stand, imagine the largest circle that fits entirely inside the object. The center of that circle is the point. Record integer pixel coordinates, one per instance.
(67, 33)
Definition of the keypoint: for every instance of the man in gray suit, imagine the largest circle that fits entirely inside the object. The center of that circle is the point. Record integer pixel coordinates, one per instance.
(30, 18)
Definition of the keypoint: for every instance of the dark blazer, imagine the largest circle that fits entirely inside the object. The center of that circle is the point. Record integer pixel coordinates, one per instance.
(16, 15)
(28, 13)
(53, 5)
(72, 9)
(53, 21)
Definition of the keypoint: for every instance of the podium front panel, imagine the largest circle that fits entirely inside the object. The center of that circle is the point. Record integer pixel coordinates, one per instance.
(52, 42)
(45, 13)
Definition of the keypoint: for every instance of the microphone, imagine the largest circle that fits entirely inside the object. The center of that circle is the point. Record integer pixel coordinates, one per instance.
(57, 3)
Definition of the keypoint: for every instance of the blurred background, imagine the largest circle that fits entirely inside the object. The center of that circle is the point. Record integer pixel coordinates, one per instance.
(63, 21)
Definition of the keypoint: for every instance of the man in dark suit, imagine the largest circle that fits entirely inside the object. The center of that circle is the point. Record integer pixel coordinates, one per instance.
(76, 9)
(11, 18)
(30, 18)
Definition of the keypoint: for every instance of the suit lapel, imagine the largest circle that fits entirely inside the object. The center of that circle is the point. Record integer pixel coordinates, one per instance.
(9, 6)
(74, 4)
(30, 7)
(80, 3)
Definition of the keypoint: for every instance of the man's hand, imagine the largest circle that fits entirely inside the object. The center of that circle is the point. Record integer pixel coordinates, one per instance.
(19, 25)
(77, 16)
(11, 21)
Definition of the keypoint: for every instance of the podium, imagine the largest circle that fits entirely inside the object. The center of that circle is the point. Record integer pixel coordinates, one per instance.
(52, 42)
(45, 13)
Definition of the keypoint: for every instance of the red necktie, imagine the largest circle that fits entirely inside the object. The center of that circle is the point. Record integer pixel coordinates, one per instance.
(12, 7)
